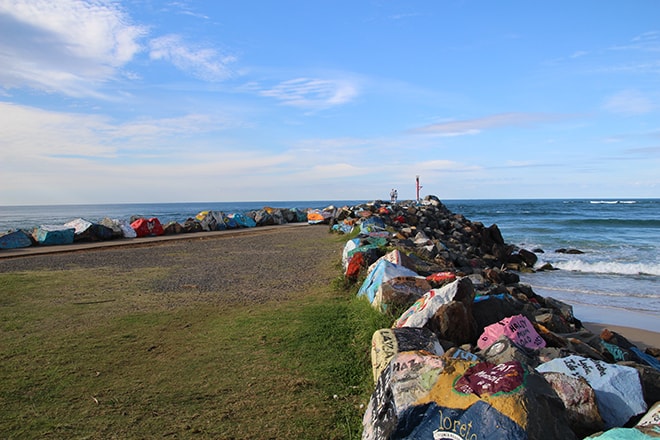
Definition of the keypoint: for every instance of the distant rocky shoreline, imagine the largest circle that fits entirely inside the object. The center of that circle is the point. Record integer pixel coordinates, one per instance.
(80, 230)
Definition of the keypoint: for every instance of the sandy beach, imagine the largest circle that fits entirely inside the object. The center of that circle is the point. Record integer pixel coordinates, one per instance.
(641, 338)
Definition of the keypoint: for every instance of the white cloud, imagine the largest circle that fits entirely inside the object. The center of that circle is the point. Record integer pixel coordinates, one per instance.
(64, 46)
(647, 42)
(442, 165)
(579, 54)
(628, 102)
(58, 157)
(313, 93)
(33, 134)
(29, 134)
(333, 145)
(204, 62)
(477, 125)
(332, 171)
(520, 164)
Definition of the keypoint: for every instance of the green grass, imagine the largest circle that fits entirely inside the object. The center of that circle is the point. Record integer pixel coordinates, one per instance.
(89, 354)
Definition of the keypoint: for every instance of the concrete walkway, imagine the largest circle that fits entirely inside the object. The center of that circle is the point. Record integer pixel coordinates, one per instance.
(81, 246)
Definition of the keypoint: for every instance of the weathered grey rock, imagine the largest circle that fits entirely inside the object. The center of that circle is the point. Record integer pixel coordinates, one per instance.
(454, 322)
(569, 251)
(400, 292)
(504, 350)
(618, 388)
(553, 322)
(580, 402)
(494, 308)
(566, 310)
(528, 257)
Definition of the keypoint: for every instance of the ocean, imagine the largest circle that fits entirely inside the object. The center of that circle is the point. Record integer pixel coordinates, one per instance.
(616, 280)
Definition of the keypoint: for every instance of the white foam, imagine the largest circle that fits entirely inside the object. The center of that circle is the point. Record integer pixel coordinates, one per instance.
(609, 267)
(612, 202)
(601, 293)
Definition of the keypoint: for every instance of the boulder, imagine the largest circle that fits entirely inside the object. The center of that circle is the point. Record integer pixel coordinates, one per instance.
(383, 271)
(478, 421)
(399, 293)
(489, 309)
(565, 310)
(147, 227)
(15, 240)
(408, 376)
(388, 342)
(173, 228)
(454, 322)
(580, 402)
(445, 311)
(618, 388)
(553, 322)
(192, 225)
(528, 258)
(211, 220)
(50, 235)
(486, 392)
(504, 350)
(517, 328)
(119, 228)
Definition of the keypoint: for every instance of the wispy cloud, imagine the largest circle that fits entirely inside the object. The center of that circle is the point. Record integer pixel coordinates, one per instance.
(579, 54)
(65, 46)
(436, 167)
(477, 125)
(647, 151)
(341, 145)
(647, 41)
(184, 8)
(404, 15)
(202, 62)
(35, 134)
(312, 93)
(628, 102)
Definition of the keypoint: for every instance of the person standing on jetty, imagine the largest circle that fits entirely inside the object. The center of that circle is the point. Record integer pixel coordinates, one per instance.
(394, 194)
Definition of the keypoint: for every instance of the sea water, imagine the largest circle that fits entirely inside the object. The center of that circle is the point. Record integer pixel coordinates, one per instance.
(618, 271)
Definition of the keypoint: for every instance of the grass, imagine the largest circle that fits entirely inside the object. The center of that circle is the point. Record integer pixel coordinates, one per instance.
(91, 355)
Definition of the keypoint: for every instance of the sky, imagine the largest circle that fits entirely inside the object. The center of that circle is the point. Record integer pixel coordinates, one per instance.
(193, 101)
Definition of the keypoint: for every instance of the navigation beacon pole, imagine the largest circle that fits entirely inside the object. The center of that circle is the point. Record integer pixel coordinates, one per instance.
(418, 187)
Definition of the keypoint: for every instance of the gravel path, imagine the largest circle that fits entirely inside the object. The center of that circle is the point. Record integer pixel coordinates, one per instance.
(254, 265)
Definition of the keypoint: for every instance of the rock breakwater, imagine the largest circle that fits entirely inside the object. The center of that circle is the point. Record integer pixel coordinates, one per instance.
(472, 353)
(82, 230)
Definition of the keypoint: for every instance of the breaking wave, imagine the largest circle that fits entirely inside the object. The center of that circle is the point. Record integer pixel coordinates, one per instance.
(610, 222)
(612, 202)
(610, 267)
(601, 293)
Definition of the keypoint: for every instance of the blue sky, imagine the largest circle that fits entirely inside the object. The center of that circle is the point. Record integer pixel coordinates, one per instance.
(185, 101)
